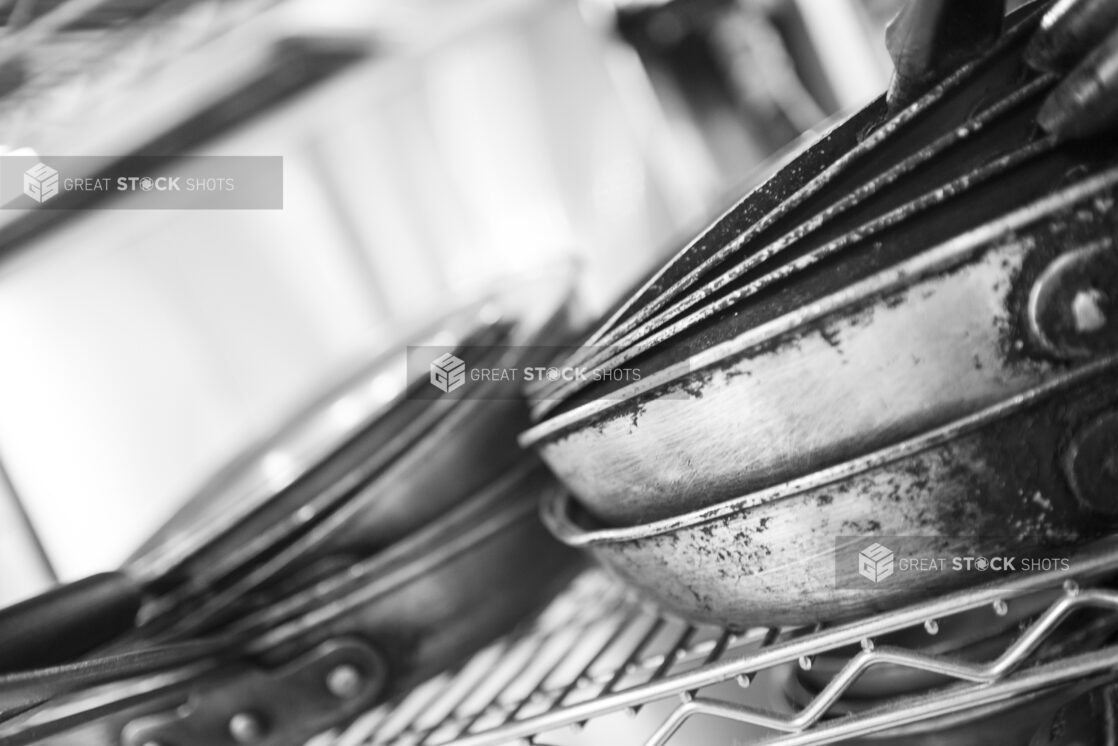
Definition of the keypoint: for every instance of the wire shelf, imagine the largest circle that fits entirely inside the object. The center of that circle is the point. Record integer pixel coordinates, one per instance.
(598, 652)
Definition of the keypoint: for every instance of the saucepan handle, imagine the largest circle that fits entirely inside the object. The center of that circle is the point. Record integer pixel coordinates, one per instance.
(67, 622)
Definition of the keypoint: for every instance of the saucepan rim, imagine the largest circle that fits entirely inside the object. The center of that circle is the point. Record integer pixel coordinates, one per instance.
(944, 256)
(555, 507)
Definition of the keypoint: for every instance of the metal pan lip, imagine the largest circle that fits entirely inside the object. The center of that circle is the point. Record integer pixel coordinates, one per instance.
(944, 256)
(246, 478)
(606, 332)
(493, 510)
(869, 113)
(887, 129)
(700, 303)
(248, 481)
(555, 509)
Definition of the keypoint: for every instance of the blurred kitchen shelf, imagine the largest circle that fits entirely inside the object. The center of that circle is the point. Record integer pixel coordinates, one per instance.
(597, 651)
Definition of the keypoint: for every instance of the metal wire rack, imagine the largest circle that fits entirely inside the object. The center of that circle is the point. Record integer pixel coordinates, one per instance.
(598, 654)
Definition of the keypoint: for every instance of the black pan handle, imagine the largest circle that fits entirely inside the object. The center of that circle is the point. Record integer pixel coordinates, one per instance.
(67, 622)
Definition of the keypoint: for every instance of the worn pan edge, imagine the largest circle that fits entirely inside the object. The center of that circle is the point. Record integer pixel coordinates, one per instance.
(883, 133)
(555, 513)
(942, 257)
(698, 305)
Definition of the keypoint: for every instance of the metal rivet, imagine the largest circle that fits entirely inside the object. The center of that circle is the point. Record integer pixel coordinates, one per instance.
(805, 663)
(1087, 310)
(1071, 588)
(1070, 313)
(1091, 464)
(867, 644)
(743, 680)
(931, 627)
(245, 727)
(344, 681)
(1001, 608)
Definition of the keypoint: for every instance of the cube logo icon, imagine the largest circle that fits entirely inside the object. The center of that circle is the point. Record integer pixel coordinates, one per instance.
(875, 562)
(40, 182)
(448, 373)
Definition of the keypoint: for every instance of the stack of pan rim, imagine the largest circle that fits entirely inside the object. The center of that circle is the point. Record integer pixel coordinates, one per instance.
(816, 301)
(903, 291)
(366, 464)
(981, 116)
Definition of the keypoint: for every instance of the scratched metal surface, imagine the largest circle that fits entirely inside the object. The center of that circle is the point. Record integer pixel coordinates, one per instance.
(912, 348)
(766, 558)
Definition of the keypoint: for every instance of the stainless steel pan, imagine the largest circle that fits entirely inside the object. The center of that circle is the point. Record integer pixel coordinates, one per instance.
(954, 329)
(1026, 475)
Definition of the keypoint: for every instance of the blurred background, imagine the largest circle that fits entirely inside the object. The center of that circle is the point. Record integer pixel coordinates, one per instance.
(428, 148)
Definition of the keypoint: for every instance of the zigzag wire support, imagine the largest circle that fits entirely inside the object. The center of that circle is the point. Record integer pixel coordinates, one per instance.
(426, 717)
(990, 672)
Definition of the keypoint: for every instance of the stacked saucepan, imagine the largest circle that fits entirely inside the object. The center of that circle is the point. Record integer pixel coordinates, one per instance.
(910, 330)
(391, 528)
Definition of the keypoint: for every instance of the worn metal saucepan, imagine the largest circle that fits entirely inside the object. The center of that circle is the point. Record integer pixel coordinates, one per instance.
(1028, 475)
(970, 322)
(358, 635)
(969, 124)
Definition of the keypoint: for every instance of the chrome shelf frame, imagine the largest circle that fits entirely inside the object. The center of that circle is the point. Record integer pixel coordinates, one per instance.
(598, 650)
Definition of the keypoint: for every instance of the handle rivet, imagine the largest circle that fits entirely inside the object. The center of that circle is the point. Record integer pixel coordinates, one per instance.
(1072, 312)
(344, 681)
(1091, 464)
(245, 727)
(1087, 310)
